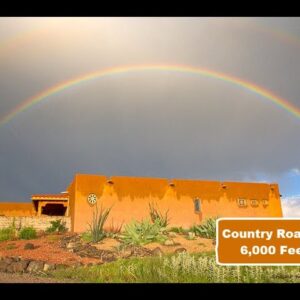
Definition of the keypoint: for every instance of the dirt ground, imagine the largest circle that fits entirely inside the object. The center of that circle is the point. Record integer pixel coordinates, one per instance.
(192, 246)
(180, 241)
(26, 278)
(46, 249)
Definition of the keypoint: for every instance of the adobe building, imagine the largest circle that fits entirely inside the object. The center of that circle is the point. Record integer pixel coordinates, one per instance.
(188, 202)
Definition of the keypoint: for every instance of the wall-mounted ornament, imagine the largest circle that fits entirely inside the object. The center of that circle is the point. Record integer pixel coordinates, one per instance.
(92, 199)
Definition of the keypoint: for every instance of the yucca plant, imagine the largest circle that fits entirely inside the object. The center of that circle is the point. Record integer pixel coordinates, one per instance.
(157, 216)
(206, 230)
(98, 221)
(143, 232)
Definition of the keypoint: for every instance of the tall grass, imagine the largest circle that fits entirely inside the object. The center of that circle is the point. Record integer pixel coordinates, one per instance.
(180, 268)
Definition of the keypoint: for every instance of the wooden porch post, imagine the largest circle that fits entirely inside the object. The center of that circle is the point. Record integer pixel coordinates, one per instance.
(67, 210)
(39, 208)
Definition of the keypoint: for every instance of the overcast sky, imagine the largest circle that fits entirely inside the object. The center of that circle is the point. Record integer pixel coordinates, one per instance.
(158, 123)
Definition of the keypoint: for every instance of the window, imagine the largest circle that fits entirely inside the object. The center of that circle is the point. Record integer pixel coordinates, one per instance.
(54, 210)
(265, 202)
(254, 202)
(242, 202)
(197, 205)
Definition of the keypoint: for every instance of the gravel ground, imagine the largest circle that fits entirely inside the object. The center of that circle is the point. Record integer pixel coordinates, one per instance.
(26, 278)
(45, 250)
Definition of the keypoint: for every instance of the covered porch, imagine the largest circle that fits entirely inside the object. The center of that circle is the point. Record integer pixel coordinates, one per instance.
(51, 204)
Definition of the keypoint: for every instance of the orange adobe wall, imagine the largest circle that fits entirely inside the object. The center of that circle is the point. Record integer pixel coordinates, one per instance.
(129, 198)
(80, 211)
(11, 209)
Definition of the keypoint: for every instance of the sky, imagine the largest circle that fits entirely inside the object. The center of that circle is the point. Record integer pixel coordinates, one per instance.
(157, 123)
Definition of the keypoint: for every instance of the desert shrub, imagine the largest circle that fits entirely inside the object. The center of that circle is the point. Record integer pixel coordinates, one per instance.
(27, 233)
(57, 226)
(7, 234)
(98, 221)
(157, 216)
(143, 232)
(206, 230)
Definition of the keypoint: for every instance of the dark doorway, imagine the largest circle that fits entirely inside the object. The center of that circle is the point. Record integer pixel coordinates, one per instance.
(54, 210)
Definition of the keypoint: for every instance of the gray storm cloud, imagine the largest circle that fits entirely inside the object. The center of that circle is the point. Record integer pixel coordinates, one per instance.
(157, 123)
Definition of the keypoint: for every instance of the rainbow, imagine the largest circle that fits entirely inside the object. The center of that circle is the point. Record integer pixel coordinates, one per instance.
(274, 32)
(280, 102)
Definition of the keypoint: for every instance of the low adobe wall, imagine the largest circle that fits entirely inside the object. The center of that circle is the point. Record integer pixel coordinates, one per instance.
(12, 209)
(39, 223)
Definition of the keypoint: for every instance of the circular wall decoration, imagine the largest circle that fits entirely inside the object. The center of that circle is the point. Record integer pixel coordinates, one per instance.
(92, 199)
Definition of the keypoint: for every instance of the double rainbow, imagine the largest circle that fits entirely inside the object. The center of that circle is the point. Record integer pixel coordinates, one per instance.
(283, 103)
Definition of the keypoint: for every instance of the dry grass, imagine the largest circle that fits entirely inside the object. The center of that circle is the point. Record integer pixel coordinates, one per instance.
(180, 268)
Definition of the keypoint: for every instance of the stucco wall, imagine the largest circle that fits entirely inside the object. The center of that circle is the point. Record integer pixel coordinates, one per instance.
(39, 223)
(129, 198)
(72, 191)
(81, 213)
(16, 209)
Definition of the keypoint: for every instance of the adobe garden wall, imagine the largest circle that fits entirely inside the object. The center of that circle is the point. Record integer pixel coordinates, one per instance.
(39, 223)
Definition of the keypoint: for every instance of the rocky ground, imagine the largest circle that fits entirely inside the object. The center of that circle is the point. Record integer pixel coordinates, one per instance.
(46, 248)
(32, 258)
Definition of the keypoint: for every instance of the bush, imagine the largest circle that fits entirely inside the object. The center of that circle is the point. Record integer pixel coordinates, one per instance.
(57, 226)
(86, 236)
(144, 232)
(7, 234)
(27, 233)
(98, 221)
(157, 216)
(206, 230)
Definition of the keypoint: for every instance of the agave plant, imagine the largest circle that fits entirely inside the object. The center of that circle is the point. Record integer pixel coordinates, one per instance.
(206, 230)
(143, 232)
(98, 221)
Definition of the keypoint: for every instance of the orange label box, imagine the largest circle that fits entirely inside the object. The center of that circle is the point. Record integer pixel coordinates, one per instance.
(258, 241)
